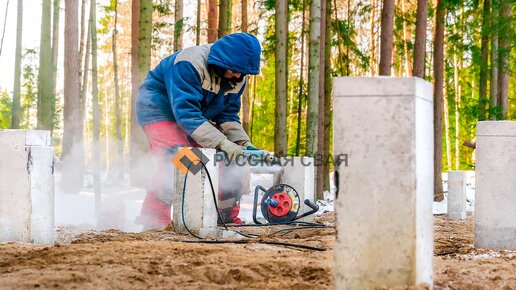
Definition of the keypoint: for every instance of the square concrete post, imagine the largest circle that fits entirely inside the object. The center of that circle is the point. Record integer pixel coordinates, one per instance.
(495, 196)
(199, 208)
(26, 186)
(456, 195)
(384, 206)
(299, 172)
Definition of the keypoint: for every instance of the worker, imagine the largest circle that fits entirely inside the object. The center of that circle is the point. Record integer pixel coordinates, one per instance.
(192, 98)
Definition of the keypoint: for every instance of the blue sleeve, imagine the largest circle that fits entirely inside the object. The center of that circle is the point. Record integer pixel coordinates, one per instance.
(184, 89)
(230, 114)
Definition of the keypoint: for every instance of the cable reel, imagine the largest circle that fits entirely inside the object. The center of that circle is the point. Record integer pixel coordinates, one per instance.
(280, 204)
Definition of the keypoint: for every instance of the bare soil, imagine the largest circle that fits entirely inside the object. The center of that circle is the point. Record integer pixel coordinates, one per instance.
(160, 260)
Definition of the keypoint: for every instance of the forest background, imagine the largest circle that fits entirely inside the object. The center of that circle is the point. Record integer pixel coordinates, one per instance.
(74, 67)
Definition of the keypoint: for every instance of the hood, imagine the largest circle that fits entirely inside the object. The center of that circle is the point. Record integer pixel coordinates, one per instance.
(239, 52)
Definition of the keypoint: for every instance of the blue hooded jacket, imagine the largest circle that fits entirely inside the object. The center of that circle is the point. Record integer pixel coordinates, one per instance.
(185, 89)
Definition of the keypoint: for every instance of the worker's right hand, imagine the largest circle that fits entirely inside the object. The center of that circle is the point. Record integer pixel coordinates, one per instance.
(232, 150)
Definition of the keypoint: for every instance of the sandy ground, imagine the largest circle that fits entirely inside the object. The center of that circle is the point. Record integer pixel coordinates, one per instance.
(159, 260)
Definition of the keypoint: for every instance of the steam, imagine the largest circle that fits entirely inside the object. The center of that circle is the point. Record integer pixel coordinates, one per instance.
(120, 201)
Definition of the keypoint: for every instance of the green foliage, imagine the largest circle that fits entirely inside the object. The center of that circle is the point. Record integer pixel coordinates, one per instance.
(163, 26)
(5, 110)
(29, 89)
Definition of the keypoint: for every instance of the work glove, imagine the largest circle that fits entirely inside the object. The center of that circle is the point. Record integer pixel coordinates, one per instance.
(249, 146)
(232, 150)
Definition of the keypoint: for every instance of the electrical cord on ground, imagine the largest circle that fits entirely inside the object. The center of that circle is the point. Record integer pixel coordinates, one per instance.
(258, 242)
(288, 230)
(295, 223)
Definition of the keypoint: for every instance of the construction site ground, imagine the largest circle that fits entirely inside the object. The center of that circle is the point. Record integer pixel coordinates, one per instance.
(159, 260)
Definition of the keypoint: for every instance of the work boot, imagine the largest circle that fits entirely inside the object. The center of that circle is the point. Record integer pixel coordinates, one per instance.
(154, 213)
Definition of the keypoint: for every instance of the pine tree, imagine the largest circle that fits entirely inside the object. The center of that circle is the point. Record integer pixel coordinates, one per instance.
(280, 128)
(15, 122)
(45, 69)
(313, 77)
(386, 38)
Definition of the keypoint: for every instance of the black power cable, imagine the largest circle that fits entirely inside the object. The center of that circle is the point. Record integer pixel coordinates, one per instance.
(201, 240)
(258, 242)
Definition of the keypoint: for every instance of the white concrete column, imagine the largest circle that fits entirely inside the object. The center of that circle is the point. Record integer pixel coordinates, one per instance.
(384, 206)
(26, 186)
(199, 208)
(299, 172)
(456, 194)
(495, 195)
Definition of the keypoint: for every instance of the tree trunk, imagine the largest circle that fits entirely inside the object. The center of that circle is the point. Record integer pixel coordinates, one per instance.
(386, 38)
(45, 70)
(95, 108)
(198, 24)
(328, 99)
(372, 39)
(313, 77)
(3, 29)
(438, 98)
(319, 169)
(339, 40)
(245, 23)
(406, 39)
(457, 66)
(212, 21)
(280, 128)
(84, 88)
(482, 85)
(141, 50)
(120, 145)
(505, 32)
(301, 82)
(494, 60)
(15, 122)
(224, 17)
(55, 50)
(245, 95)
(73, 152)
(447, 128)
(418, 69)
(178, 26)
(81, 44)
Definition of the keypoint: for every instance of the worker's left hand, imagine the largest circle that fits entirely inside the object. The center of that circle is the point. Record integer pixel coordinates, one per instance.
(249, 146)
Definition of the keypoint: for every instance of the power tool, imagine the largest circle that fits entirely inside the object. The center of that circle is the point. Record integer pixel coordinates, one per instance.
(280, 204)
